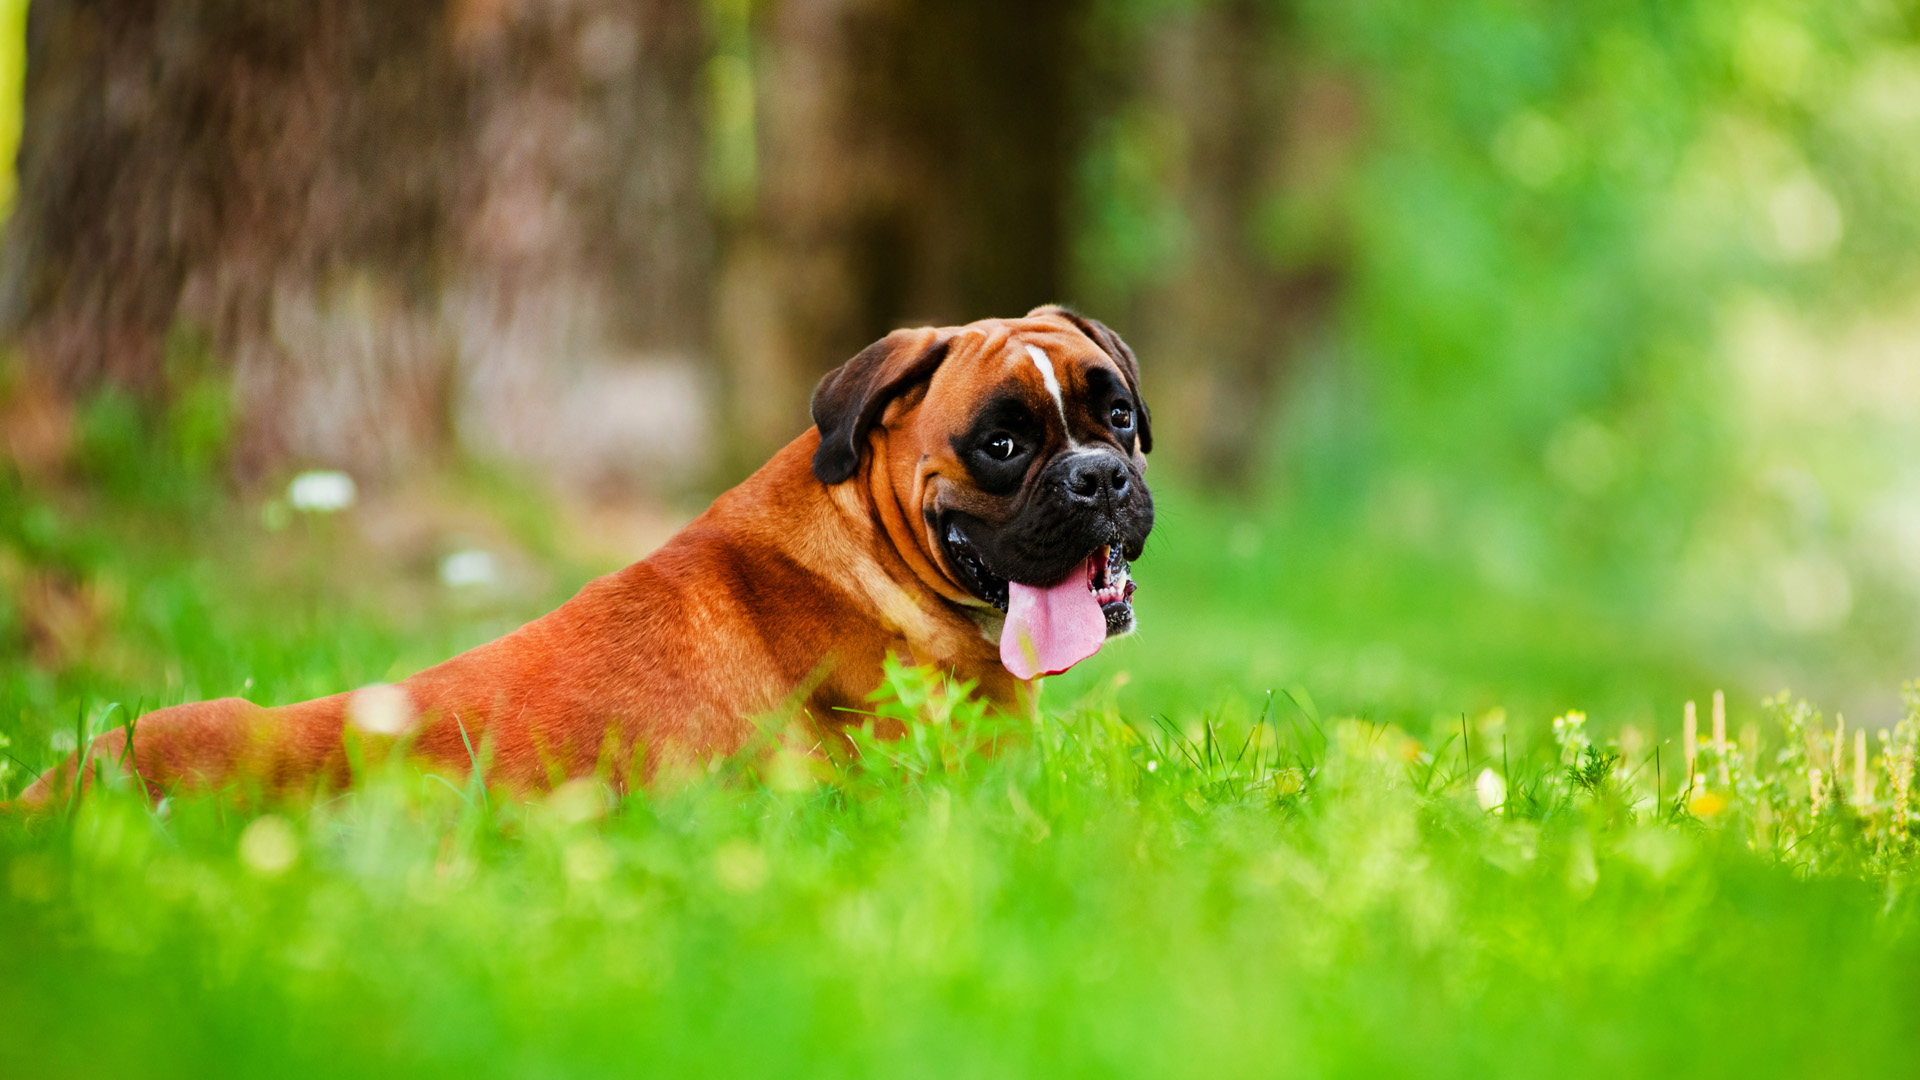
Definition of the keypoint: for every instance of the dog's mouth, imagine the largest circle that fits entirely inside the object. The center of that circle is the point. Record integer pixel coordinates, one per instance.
(1104, 574)
(1110, 580)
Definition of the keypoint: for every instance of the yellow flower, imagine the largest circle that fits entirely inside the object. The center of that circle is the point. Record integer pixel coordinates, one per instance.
(1707, 803)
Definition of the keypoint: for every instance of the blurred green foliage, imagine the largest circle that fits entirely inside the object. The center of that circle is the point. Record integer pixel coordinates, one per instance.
(1624, 330)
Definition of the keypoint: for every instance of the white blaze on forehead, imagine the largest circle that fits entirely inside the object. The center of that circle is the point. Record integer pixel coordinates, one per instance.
(1045, 364)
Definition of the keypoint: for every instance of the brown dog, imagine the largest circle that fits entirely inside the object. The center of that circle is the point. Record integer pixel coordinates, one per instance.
(969, 498)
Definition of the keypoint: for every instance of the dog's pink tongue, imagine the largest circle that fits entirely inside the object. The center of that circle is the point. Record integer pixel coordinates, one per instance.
(1049, 630)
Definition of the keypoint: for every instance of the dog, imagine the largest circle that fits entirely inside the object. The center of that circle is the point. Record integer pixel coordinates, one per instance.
(970, 497)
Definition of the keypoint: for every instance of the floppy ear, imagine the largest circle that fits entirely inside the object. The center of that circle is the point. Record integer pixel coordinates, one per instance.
(850, 399)
(1110, 344)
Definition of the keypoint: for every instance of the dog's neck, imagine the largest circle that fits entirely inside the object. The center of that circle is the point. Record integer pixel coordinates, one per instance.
(859, 534)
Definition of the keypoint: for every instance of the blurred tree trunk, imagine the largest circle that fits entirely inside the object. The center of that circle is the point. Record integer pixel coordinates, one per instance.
(195, 159)
(583, 263)
(396, 222)
(914, 162)
(1255, 178)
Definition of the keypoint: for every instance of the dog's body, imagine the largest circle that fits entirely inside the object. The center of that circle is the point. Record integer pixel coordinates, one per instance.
(884, 530)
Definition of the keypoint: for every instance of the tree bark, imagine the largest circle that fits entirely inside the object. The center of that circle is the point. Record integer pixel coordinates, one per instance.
(582, 271)
(1229, 315)
(393, 221)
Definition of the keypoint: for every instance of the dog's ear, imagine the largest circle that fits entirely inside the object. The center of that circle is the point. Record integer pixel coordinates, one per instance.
(850, 399)
(1110, 343)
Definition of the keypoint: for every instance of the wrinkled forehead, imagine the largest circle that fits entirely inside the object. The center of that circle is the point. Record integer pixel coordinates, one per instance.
(1046, 364)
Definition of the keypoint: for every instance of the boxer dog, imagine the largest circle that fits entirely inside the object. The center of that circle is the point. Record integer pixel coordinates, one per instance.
(970, 497)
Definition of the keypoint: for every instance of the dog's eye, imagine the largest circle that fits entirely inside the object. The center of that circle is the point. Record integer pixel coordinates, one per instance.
(999, 447)
(1121, 417)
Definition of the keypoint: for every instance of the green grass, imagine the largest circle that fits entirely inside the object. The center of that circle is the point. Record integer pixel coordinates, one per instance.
(1167, 874)
(1093, 898)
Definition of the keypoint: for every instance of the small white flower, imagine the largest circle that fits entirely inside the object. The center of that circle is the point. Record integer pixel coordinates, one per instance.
(380, 709)
(1490, 789)
(469, 567)
(322, 491)
(269, 845)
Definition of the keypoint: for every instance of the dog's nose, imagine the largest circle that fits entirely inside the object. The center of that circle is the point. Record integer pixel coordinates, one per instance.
(1097, 476)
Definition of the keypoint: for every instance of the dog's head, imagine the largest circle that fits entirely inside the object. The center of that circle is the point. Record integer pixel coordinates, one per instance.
(1020, 445)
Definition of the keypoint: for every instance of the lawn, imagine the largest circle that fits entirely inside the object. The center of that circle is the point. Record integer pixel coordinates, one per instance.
(1167, 871)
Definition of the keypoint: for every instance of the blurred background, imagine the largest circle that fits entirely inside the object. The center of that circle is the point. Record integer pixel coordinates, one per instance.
(1506, 357)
